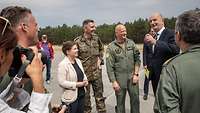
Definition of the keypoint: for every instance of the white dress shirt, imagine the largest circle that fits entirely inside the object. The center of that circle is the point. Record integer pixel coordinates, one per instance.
(158, 37)
(159, 32)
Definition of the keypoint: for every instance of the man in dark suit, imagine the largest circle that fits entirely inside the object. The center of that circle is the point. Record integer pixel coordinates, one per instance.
(146, 69)
(158, 48)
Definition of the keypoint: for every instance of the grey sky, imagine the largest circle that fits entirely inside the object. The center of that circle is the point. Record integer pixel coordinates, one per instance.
(73, 12)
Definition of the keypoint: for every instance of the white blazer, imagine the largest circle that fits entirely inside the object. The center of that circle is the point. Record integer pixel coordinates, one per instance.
(67, 79)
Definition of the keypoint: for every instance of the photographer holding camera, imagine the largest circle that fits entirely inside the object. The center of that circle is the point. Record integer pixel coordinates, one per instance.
(8, 41)
(24, 24)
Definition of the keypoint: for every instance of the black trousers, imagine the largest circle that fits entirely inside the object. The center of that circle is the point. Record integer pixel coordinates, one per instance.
(78, 105)
(146, 85)
(154, 74)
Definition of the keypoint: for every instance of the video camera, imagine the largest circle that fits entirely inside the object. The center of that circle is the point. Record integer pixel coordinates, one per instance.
(17, 62)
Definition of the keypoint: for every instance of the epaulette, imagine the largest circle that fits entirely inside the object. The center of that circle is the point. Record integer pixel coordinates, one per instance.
(77, 38)
(108, 47)
(110, 44)
(171, 59)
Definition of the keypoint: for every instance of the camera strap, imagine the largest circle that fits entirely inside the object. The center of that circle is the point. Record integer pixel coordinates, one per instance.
(21, 71)
(13, 95)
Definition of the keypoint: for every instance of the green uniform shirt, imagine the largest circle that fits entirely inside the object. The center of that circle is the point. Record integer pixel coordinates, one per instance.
(120, 62)
(5, 82)
(179, 86)
(89, 51)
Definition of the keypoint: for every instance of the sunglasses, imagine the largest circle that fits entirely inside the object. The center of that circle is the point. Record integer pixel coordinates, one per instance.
(5, 23)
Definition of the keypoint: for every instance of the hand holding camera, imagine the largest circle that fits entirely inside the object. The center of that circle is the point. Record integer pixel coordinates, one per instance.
(34, 71)
(27, 64)
(28, 53)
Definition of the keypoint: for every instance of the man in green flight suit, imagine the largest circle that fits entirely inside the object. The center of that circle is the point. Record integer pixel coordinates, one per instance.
(178, 90)
(123, 62)
(91, 55)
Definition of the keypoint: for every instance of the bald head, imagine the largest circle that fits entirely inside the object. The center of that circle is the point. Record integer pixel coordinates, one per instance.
(156, 21)
(119, 27)
(120, 32)
(156, 14)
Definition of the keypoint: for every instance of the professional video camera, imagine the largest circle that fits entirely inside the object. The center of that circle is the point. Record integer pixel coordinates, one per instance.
(17, 63)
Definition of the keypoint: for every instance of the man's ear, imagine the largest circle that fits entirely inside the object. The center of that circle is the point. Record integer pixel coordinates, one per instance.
(2, 56)
(67, 52)
(24, 27)
(1, 53)
(178, 36)
(84, 27)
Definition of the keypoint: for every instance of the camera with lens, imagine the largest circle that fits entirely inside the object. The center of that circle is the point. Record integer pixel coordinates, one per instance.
(17, 62)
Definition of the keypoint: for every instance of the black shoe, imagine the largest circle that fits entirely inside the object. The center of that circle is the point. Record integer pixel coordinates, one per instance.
(48, 81)
(145, 97)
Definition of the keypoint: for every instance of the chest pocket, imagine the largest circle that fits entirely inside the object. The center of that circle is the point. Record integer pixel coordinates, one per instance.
(130, 53)
(83, 50)
(83, 47)
(95, 44)
(94, 48)
(130, 50)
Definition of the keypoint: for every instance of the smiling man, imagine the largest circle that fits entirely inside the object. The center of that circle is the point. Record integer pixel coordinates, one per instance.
(159, 49)
(91, 55)
(123, 63)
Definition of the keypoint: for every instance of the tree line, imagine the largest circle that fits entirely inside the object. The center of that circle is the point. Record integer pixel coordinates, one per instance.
(135, 31)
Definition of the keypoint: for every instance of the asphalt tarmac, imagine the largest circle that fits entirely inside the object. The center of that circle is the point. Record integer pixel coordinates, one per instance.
(146, 106)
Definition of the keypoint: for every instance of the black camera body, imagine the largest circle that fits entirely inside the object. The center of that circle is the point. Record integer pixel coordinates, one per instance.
(17, 62)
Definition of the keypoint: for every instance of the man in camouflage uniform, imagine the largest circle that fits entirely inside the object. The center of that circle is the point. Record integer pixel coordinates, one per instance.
(178, 89)
(91, 53)
(123, 62)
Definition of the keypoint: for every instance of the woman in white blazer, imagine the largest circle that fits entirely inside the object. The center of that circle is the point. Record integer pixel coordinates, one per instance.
(72, 79)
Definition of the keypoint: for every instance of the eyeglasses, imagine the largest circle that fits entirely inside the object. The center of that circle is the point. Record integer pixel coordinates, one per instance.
(5, 23)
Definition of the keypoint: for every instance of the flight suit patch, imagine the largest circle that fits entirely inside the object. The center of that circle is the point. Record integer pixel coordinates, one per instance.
(129, 48)
(118, 51)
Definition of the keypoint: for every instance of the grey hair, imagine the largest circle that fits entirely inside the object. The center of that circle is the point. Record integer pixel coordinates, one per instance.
(188, 25)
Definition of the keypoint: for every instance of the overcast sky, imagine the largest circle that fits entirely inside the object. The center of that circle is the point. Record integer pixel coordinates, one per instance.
(73, 12)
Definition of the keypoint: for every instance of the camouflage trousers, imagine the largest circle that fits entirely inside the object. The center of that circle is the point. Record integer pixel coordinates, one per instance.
(97, 86)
